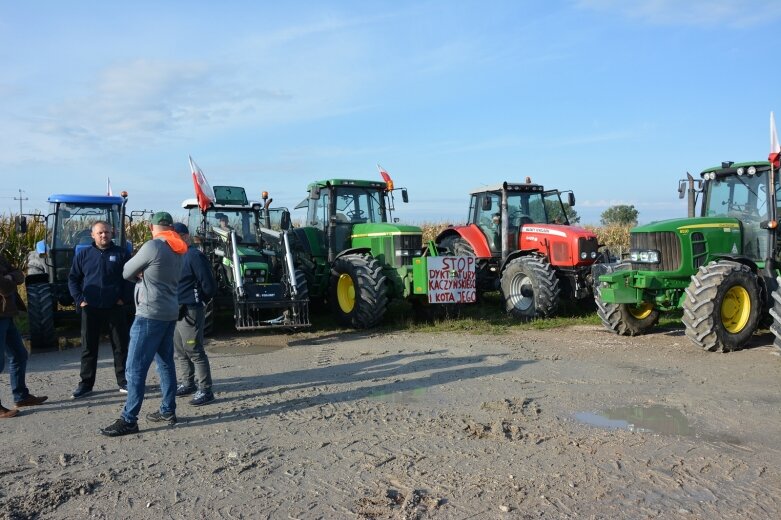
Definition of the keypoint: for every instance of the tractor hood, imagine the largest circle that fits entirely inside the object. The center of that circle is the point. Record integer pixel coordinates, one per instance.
(683, 226)
(685, 244)
(384, 229)
(564, 245)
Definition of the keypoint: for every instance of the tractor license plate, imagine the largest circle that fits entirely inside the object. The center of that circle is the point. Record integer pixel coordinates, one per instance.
(451, 279)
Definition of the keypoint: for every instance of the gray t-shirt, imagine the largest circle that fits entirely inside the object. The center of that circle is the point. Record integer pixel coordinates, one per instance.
(156, 292)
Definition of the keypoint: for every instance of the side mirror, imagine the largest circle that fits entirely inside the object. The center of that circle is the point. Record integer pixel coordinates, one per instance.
(681, 189)
(20, 222)
(404, 195)
(284, 220)
(571, 199)
(486, 204)
(314, 194)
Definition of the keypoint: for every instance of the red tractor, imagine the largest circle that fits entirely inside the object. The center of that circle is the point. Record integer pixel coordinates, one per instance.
(525, 247)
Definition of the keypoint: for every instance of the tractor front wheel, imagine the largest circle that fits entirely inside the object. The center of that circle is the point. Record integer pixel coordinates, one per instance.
(530, 288)
(40, 316)
(722, 306)
(357, 292)
(625, 319)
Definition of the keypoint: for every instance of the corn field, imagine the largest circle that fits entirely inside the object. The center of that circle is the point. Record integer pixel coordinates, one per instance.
(18, 245)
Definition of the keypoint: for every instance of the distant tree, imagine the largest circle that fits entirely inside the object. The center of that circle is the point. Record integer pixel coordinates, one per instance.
(554, 212)
(621, 214)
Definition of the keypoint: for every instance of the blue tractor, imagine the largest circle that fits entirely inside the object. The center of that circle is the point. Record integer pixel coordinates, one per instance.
(68, 228)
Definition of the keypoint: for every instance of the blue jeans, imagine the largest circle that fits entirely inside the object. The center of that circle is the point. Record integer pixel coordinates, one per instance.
(11, 344)
(150, 339)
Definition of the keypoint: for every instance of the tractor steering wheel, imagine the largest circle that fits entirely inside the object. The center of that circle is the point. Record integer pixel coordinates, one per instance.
(355, 215)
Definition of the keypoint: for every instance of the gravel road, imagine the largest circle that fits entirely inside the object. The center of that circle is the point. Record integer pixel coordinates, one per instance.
(566, 423)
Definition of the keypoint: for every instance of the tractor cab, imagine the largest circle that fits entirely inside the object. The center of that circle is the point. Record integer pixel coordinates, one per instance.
(342, 211)
(69, 228)
(518, 205)
(743, 192)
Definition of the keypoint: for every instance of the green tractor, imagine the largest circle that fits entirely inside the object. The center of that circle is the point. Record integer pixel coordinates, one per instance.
(248, 245)
(357, 258)
(719, 267)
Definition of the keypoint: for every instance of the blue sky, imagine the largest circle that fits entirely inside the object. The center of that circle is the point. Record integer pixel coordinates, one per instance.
(613, 99)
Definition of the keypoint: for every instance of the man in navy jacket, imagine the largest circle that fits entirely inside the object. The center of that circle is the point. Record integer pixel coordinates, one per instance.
(196, 287)
(100, 292)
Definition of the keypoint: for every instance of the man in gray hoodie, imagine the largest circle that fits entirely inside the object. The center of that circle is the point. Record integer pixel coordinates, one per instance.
(155, 269)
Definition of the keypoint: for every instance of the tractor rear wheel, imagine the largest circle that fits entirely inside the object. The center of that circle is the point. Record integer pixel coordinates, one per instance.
(722, 306)
(40, 316)
(357, 291)
(530, 288)
(626, 319)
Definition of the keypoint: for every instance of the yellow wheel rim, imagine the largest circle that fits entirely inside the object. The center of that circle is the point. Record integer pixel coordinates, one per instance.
(345, 293)
(641, 311)
(735, 309)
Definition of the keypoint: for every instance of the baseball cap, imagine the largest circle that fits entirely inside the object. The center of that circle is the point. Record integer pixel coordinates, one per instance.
(162, 218)
(181, 228)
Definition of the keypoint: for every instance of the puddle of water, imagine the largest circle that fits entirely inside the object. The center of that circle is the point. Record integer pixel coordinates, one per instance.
(416, 396)
(654, 419)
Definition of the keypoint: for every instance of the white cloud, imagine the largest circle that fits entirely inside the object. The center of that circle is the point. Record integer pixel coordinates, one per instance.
(735, 13)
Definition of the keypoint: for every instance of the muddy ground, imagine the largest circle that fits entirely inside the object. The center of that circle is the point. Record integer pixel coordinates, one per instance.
(568, 423)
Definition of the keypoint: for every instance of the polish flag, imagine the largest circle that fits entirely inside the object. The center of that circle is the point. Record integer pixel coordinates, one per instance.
(775, 149)
(203, 190)
(386, 177)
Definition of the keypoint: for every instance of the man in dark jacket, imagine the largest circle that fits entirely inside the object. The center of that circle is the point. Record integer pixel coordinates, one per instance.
(99, 292)
(196, 287)
(11, 341)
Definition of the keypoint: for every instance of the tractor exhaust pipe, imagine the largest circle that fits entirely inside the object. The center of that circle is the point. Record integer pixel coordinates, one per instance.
(237, 278)
(291, 271)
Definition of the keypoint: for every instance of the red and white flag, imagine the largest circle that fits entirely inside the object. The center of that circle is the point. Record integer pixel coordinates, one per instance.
(108, 187)
(386, 177)
(203, 190)
(775, 149)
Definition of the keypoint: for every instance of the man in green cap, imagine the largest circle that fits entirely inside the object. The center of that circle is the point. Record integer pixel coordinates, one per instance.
(155, 269)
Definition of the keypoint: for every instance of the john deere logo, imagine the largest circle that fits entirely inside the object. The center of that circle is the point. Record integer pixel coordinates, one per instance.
(734, 249)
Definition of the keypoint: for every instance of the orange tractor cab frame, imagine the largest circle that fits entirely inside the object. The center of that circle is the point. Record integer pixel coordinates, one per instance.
(525, 247)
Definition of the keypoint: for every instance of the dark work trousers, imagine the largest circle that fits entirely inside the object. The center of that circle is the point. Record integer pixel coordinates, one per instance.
(191, 360)
(92, 321)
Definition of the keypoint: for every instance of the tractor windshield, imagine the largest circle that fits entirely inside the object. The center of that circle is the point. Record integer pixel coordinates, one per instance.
(358, 205)
(73, 223)
(242, 221)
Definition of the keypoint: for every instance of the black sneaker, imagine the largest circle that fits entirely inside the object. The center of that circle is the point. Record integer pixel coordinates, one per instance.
(157, 416)
(182, 390)
(119, 428)
(202, 398)
(81, 391)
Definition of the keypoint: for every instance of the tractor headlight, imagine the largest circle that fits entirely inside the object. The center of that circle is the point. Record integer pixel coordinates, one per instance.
(583, 255)
(752, 170)
(741, 170)
(593, 254)
(644, 256)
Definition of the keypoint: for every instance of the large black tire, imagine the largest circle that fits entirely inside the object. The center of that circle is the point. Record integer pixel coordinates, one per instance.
(722, 306)
(357, 291)
(625, 319)
(530, 288)
(775, 313)
(40, 316)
